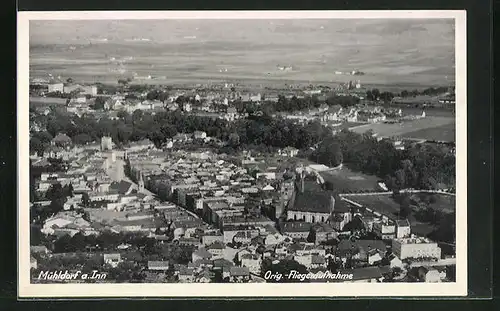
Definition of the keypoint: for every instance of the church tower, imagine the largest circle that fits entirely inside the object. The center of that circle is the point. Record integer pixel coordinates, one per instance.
(141, 183)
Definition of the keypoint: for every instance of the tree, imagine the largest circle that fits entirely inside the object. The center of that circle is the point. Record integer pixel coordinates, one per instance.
(43, 136)
(82, 139)
(37, 146)
(123, 82)
(369, 95)
(68, 190)
(69, 80)
(328, 153)
(376, 94)
(234, 140)
(55, 192)
(63, 244)
(85, 199)
(100, 102)
(356, 224)
(405, 208)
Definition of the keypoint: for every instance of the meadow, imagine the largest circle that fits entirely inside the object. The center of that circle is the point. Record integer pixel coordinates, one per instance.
(428, 128)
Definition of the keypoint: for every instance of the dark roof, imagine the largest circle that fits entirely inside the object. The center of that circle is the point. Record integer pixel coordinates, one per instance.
(315, 202)
(364, 273)
(341, 206)
(365, 245)
(122, 187)
(239, 271)
(221, 262)
(203, 253)
(296, 226)
(316, 259)
(216, 245)
(402, 223)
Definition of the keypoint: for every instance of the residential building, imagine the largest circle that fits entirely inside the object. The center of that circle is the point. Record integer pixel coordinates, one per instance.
(416, 247)
(112, 259)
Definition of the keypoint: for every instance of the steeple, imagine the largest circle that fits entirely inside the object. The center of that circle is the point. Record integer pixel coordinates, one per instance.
(141, 183)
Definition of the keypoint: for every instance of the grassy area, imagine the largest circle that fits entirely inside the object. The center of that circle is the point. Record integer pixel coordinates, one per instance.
(445, 203)
(344, 180)
(419, 127)
(383, 204)
(440, 133)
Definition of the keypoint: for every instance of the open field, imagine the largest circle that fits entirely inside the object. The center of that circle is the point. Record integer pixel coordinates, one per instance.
(444, 133)
(344, 180)
(428, 128)
(199, 51)
(383, 204)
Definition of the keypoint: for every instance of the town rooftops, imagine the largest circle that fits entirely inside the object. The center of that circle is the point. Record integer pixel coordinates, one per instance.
(414, 240)
(316, 259)
(184, 270)
(216, 245)
(365, 245)
(158, 265)
(122, 187)
(202, 253)
(221, 262)
(296, 227)
(239, 271)
(315, 202)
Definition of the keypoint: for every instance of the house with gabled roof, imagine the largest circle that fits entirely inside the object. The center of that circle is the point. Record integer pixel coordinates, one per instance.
(236, 274)
(158, 265)
(201, 253)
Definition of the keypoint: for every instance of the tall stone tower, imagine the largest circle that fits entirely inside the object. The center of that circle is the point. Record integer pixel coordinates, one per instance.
(141, 183)
(106, 143)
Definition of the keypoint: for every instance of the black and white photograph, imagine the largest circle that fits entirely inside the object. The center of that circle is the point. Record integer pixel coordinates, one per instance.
(163, 152)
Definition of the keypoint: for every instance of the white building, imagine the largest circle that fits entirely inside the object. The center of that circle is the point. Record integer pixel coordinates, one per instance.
(415, 247)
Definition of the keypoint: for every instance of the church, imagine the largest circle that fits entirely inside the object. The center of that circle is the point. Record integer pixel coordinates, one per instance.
(312, 204)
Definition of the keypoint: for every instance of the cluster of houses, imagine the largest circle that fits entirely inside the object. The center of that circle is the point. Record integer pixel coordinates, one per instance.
(235, 213)
(338, 115)
(52, 86)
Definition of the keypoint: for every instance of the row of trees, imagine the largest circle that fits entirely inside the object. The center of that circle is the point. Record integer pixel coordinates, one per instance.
(376, 94)
(162, 126)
